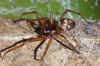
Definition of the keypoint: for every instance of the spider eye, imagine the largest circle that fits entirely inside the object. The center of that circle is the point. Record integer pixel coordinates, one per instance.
(68, 23)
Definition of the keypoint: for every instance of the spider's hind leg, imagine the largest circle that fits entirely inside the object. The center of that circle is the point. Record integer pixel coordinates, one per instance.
(18, 45)
(33, 12)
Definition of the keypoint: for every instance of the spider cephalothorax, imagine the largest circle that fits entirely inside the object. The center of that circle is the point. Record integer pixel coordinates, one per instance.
(47, 29)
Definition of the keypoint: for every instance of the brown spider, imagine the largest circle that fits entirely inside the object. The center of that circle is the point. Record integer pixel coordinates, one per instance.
(47, 29)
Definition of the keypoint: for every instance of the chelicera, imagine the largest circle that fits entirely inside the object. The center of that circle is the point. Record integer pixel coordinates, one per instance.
(48, 29)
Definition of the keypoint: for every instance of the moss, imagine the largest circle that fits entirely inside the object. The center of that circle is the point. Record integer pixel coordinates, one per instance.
(87, 8)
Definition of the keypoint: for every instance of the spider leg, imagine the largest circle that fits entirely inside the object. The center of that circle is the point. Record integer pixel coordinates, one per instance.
(25, 13)
(33, 12)
(46, 48)
(51, 18)
(62, 43)
(32, 21)
(29, 20)
(69, 34)
(18, 45)
(23, 20)
(36, 49)
(14, 48)
(40, 20)
(66, 43)
(70, 44)
(68, 10)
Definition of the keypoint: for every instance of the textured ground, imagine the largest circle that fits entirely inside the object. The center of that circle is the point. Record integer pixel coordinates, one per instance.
(87, 36)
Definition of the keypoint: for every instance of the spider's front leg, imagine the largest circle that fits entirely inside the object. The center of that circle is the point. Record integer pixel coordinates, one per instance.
(18, 45)
(68, 10)
(66, 43)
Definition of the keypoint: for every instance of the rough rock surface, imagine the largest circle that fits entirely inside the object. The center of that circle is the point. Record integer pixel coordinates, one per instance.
(88, 37)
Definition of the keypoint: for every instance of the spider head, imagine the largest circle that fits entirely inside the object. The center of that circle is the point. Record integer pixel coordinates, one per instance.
(67, 24)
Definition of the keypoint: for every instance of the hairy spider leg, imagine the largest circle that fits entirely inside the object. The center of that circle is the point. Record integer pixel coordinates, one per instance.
(65, 41)
(32, 22)
(36, 49)
(46, 48)
(14, 46)
(37, 15)
(51, 18)
(33, 12)
(68, 44)
(73, 37)
(40, 20)
(68, 10)
(61, 43)
(25, 13)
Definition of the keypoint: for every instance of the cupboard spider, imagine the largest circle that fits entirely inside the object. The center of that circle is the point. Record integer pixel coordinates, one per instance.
(47, 29)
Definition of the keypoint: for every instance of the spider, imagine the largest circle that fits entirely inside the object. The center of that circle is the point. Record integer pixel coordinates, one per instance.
(48, 29)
